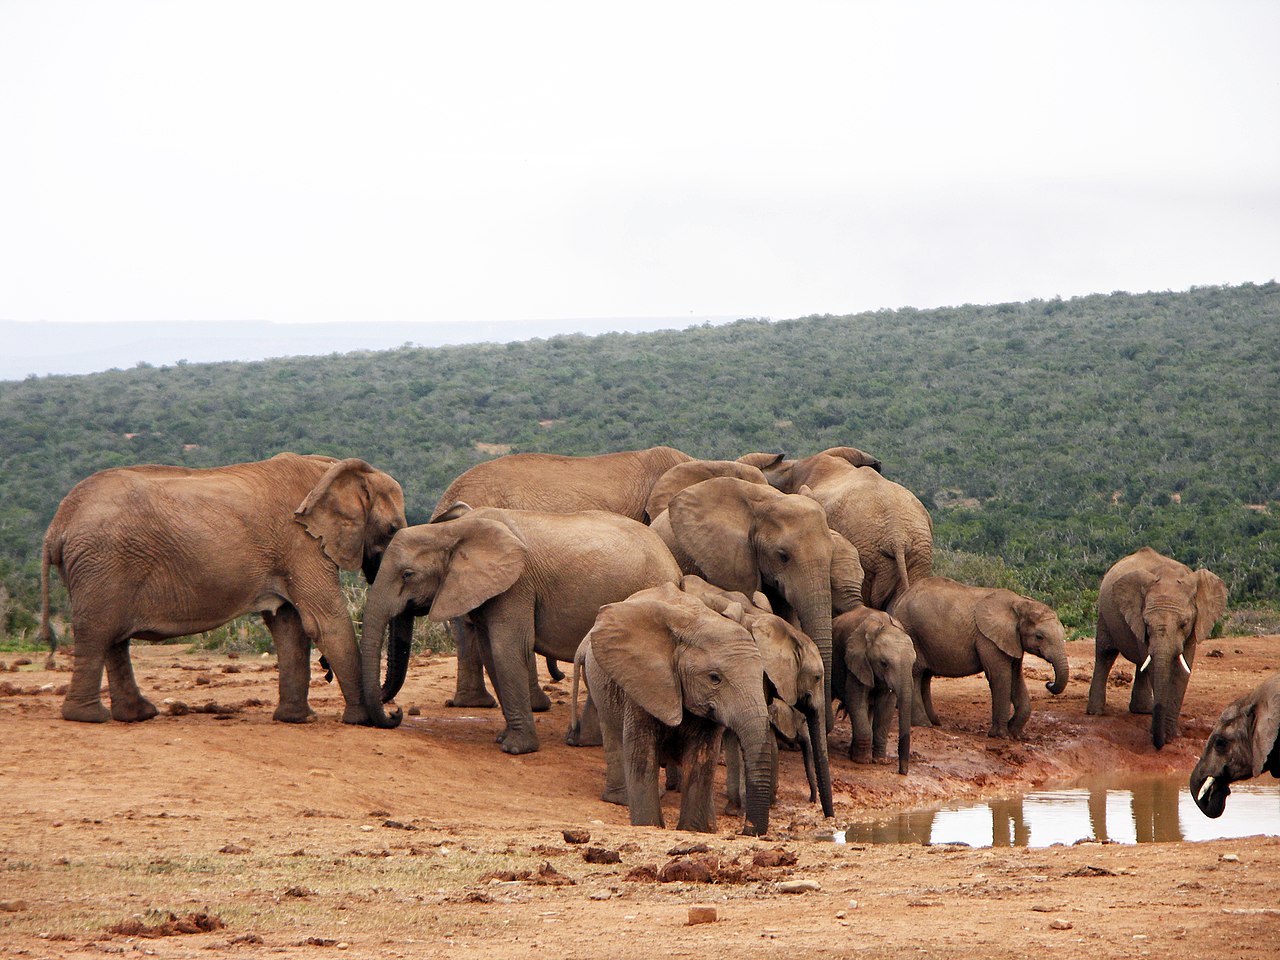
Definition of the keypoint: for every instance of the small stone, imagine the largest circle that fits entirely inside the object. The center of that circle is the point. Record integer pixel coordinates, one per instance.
(799, 886)
(840, 914)
(365, 828)
(684, 849)
(1059, 924)
(178, 709)
(415, 711)
(1229, 858)
(777, 857)
(13, 906)
(233, 848)
(701, 915)
(344, 945)
(601, 855)
(576, 836)
(602, 895)
(853, 904)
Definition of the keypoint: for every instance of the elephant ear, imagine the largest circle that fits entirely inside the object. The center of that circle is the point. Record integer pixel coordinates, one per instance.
(485, 561)
(1266, 731)
(997, 620)
(336, 510)
(1211, 601)
(778, 650)
(1130, 593)
(762, 461)
(859, 458)
(846, 574)
(459, 509)
(686, 474)
(759, 600)
(634, 643)
(787, 720)
(856, 655)
(712, 524)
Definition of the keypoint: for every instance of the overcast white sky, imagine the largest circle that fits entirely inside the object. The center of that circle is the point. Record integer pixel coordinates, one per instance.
(310, 161)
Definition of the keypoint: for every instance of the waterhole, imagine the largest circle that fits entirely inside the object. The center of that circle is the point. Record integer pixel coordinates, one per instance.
(1122, 811)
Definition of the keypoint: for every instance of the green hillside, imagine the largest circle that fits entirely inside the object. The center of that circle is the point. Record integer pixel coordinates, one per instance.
(1047, 438)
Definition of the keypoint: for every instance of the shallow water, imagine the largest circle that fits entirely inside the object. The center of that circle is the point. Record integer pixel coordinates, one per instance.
(1122, 810)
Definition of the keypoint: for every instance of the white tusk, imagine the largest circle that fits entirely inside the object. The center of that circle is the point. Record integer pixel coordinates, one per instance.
(1185, 666)
(1145, 663)
(1204, 788)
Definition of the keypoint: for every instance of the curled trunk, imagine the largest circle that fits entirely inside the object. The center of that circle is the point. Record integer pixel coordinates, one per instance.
(376, 617)
(401, 645)
(1060, 674)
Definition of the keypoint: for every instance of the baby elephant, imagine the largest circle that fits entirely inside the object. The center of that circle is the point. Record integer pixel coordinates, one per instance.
(960, 630)
(874, 659)
(1245, 743)
(668, 675)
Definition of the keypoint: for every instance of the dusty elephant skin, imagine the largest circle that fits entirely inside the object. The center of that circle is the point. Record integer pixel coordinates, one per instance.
(550, 483)
(155, 552)
(960, 630)
(885, 521)
(874, 664)
(670, 675)
(522, 582)
(1245, 743)
(1155, 611)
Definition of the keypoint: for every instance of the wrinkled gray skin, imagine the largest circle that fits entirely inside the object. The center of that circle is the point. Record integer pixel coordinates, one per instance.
(1245, 743)
(874, 664)
(746, 537)
(889, 526)
(1155, 611)
(669, 676)
(548, 483)
(960, 630)
(522, 582)
(154, 552)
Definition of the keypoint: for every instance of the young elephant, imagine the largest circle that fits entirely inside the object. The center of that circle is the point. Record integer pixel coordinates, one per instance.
(960, 630)
(1245, 743)
(522, 581)
(874, 660)
(1155, 611)
(669, 675)
(154, 552)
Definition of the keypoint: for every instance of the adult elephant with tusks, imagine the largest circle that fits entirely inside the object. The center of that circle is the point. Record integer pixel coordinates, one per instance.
(1155, 611)
(1245, 743)
(154, 552)
(520, 581)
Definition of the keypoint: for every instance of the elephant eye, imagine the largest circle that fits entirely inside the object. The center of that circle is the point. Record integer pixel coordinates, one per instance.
(406, 575)
(784, 557)
(715, 678)
(1220, 744)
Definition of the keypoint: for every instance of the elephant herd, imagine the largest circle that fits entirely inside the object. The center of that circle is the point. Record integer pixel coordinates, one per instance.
(709, 605)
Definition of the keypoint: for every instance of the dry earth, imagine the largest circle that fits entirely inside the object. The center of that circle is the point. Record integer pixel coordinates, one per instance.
(326, 840)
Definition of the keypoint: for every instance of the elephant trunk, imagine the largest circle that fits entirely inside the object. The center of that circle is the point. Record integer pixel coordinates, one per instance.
(1164, 719)
(905, 692)
(815, 717)
(398, 655)
(756, 740)
(1060, 673)
(813, 607)
(376, 617)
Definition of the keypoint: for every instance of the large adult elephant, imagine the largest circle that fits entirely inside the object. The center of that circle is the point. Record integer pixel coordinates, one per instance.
(1155, 611)
(746, 537)
(549, 483)
(884, 520)
(522, 582)
(670, 674)
(960, 630)
(1245, 743)
(154, 552)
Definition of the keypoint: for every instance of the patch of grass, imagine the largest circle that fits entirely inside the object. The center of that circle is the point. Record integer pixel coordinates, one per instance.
(1249, 621)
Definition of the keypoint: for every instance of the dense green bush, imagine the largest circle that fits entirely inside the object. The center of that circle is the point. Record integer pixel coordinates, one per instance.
(1050, 436)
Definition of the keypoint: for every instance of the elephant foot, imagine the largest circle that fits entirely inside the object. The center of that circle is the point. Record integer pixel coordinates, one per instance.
(356, 714)
(518, 741)
(1140, 708)
(734, 808)
(135, 712)
(303, 714)
(881, 759)
(539, 702)
(618, 796)
(1094, 712)
(481, 700)
(859, 756)
(999, 732)
(86, 713)
(579, 737)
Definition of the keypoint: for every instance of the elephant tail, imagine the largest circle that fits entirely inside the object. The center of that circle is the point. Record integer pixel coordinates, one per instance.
(573, 695)
(903, 580)
(47, 559)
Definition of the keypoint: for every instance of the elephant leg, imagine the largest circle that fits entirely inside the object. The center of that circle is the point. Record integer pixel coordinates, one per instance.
(539, 702)
(83, 701)
(589, 730)
(998, 668)
(881, 717)
(1104, 655)
(336, 639)
(508, 637)
(701, 750)
(860, 719)
(671, 782)
(640, 736)
(922, 713)
(1141, 698)
(615, 781)
(733, 775)
(1021, 702)
(468, 689)
(127, 702)
(293, 658)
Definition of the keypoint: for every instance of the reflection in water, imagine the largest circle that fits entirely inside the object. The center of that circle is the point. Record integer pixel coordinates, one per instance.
(1131, 811)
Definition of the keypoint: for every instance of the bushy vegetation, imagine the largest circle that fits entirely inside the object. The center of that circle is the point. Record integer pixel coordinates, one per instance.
(1047, 438)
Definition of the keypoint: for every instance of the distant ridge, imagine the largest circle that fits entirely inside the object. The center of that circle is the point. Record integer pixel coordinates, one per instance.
(43, 348)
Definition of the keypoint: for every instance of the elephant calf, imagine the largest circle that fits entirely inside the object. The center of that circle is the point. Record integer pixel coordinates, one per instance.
(874, 662)
(960, 630)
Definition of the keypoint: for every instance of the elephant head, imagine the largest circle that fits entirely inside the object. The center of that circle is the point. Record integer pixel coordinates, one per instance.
(1169, 611)
(354, 511)
(695, 471)
(672, 655)
(1244, 743)
(875, 645)
(1019, 625)
(747, 537)
(443, 570)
